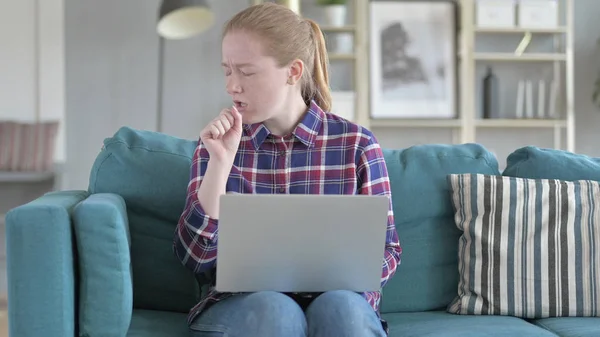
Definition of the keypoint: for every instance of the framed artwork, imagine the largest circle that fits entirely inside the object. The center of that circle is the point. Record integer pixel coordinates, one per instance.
(413, 59)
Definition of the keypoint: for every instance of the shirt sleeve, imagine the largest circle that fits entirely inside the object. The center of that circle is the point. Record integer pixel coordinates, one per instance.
(195, 241)
(374, 179)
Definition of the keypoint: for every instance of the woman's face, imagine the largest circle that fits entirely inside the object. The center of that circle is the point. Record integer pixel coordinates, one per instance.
(257, 85)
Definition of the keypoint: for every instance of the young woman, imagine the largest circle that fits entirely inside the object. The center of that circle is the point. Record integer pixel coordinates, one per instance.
(278, 137)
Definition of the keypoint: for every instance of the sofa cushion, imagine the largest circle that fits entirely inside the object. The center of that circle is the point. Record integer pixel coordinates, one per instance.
(151, 323)
(529, 246)
(105, 290)
(150, 171)
(439, 323)
(538, 163)
(427, 277)
(571, 326)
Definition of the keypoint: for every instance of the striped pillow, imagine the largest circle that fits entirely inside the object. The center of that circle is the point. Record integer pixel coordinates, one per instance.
(530, 248)
(27, 147)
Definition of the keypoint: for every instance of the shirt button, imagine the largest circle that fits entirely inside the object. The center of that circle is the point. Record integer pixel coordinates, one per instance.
(282, 153)
(282, 190)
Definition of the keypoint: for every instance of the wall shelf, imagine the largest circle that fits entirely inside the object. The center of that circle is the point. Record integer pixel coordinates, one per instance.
(25, 177)
(521, 123)
(520, 30)
(415, 123)
(560, 63)
(342, 29)
(469, 59)
(346, 57)
(523, 57)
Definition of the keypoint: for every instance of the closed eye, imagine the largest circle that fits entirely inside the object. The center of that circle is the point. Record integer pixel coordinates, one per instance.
(228, 71)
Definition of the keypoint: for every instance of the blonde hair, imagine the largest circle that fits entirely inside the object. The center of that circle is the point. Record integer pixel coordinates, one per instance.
(286, 37)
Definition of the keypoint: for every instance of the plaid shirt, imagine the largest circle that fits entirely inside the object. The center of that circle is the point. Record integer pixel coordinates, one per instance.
(329, 155)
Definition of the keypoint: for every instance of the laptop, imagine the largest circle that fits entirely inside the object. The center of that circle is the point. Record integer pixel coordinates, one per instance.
(300, 243)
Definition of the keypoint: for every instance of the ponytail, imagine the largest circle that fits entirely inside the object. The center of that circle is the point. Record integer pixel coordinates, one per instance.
(320, 75)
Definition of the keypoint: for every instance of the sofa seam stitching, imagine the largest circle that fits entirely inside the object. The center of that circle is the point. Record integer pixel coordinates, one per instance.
(145, 148)
(98, 170)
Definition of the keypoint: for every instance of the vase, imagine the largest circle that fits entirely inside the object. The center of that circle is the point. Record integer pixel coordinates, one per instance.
(335, 15)
(491, 100)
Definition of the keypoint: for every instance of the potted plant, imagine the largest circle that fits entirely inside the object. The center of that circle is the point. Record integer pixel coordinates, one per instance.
(335, 11)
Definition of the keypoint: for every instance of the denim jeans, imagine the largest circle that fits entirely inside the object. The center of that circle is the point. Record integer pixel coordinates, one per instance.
(272, 314)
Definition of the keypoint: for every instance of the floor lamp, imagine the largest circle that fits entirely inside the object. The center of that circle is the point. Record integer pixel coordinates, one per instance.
(178, 20)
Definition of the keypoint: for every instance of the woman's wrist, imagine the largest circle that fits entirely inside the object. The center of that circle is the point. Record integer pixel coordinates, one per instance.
(220, 167)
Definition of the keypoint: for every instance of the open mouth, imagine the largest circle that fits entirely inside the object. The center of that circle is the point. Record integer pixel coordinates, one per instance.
(240, 105)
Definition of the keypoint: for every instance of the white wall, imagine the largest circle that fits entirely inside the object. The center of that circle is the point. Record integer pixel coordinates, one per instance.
(32, 71)
(112, 76)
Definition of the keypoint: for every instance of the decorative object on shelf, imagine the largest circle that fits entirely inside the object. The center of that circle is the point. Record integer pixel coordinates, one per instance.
(553, 99)
(335, 12)
(496, 13)
(413, 59)
(541, 101)
(524, 99)
(528, 99)
(520, 99)
(544, 107)
(522, 46)
(342, 43)
(336, 15)
(538, 14)
(490, 99)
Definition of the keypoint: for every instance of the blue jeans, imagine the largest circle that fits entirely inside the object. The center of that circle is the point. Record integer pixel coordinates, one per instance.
(272, 314)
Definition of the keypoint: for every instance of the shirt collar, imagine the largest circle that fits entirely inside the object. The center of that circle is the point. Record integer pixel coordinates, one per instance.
(306, 131)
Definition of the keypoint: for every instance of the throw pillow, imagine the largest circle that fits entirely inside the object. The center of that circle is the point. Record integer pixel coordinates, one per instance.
(529, 247)
(27, 147)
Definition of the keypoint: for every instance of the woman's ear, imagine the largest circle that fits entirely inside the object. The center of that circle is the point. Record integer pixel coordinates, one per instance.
(295, 71)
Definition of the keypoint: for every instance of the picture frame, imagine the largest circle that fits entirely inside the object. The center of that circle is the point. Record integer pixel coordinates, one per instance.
(413, 59)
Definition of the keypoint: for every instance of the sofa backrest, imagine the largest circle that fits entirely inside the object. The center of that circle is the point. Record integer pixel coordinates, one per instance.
(427, 277)
(150, 171)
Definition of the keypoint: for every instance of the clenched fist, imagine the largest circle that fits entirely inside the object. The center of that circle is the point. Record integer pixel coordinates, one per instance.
(222, 135)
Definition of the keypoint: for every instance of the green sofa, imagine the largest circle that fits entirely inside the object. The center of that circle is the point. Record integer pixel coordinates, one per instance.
(100, 262)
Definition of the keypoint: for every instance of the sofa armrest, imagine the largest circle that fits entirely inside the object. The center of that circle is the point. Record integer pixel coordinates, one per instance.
(41, 266)
(105, 283)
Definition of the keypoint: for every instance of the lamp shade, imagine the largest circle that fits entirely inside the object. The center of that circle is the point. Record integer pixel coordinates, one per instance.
(181, 19)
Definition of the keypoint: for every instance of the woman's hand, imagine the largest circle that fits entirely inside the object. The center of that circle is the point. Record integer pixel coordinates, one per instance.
(222, 135)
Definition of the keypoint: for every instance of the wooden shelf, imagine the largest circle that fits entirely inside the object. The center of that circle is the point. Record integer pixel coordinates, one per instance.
(336, 29)
(520, 123)
(464, 128)
(342, 57)
(415, 123)
(25, 177)
(521, 30)
(523, 57)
